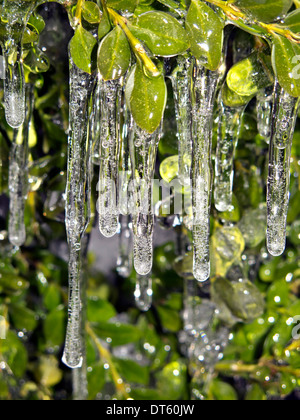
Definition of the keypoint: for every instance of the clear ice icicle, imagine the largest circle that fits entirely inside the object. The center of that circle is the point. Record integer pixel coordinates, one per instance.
(77, 204)
(18, 176)
(124, 262)
(95, 122)
(264, 112)
(15, 14)
(143, 292)
(109, 164)
(283, 124)
(181, 81)
(143, 151)
(230, 120)
(204, 91)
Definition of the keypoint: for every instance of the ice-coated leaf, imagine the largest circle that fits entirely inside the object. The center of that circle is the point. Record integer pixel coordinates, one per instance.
(81, 48)
(286, 59)
(114, 55)
(91, 12)
(146, 98)
(205, 30)
(265, 10)
(128, 5)
(162, 33)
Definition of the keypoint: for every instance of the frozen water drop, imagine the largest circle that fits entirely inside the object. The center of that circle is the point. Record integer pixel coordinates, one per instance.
(143, 292)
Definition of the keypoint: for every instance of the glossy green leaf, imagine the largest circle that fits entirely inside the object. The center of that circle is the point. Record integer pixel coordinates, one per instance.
(161, 33)
(54, 327)
(146, 98)
(23, 318)
(264, 10)
(81, 49)
(99, 310)
(114, 55)
(250, 75)
(286, 63)
(104, 26)
(205, 30)
(292, 21)
(117, 334)
(132, 372)
(128, 5)
(91, 12)
(15, 354)
(221, 391)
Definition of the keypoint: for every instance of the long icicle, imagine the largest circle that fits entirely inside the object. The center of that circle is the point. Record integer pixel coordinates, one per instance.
(181, 81)
(230, 120)
(77, 205)
(143, 151)
(18, 176)
(109, 165)
(285, 111)
(204, 91)
(16, 14)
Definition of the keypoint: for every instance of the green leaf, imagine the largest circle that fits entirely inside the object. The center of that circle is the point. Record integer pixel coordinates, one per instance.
(286, 58)
(37, 22)
(146, 98)
(132, 372)
(292, 21)
(205, 30)
(250, 75)
(118, 334)
(162, 33)
(81, 49)
(23, 318)
(114, 55)
(15, 354)
(221, 391)
(99, 310)
(91, 12)
(54, 327)
(104, 26)
(96, 380)
(264, 10)
(128, 5)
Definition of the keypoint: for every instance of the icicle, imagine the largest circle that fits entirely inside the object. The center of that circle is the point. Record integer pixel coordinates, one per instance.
(181, 81)
(16, 14)
(143, 292)
(124, 262)
(264, 112)
(283, 124)
(143, 150)
(18, 176)
(95, 122)
(230, 120)
(108, 175)
(204, 91)
(77, 204)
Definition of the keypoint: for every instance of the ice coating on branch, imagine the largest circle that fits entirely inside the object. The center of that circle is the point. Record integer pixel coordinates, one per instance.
(124, 262)
(15, 14)
(181, 82)
(279, 169)
(143, 151)
(230, 120)
(109, 164)
(204, 92)
(18, 177)
(143, 292)
(77, 204)
(264, 112)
